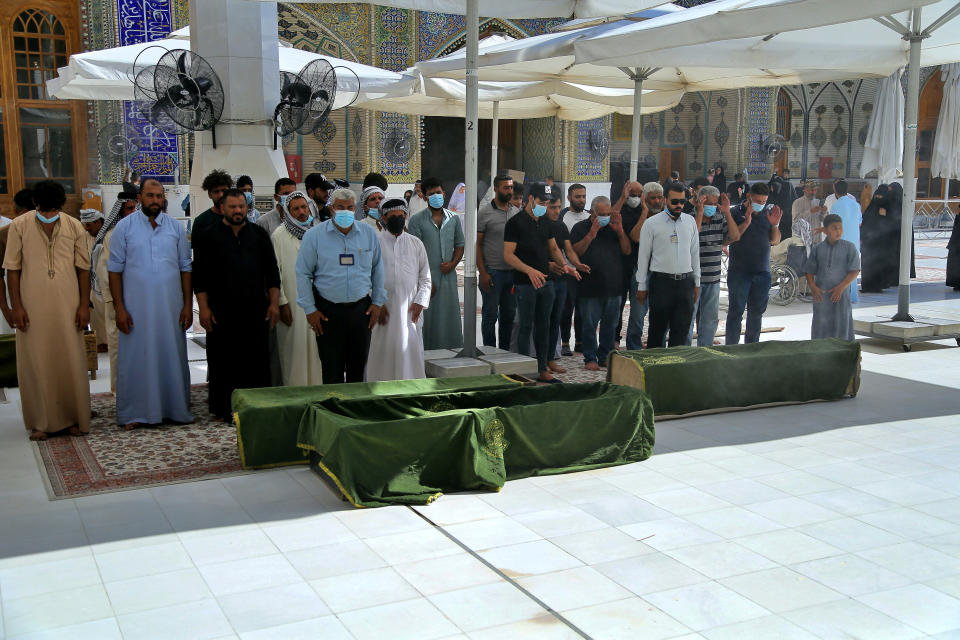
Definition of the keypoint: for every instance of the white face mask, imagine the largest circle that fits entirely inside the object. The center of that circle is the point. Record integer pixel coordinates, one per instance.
(633, 202)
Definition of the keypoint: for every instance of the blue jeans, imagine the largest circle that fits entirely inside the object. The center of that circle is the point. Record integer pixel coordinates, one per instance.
(637, 312)
(706, 314)
(556, 312)
(498, 304)
(602, 311)
(534, 307)
(748, 291)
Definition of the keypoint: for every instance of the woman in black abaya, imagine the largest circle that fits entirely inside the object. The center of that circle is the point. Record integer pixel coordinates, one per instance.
(953, 256)
(880, 240)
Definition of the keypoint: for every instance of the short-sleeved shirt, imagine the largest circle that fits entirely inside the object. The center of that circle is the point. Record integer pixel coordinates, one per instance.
(491, 222)
(533, 243)
(603, 256)
(630, 216)
(712, 233)
(751, 253)
(561, 234)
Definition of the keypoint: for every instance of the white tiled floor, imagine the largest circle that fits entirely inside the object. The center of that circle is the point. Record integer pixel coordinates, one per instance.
(823, 520)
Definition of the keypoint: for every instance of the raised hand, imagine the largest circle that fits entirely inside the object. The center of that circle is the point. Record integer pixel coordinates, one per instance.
(774, 215)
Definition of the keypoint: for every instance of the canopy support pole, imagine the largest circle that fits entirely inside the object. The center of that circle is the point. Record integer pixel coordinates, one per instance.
(915, 37)
(495, 136)
(638, 76)
(470, 182)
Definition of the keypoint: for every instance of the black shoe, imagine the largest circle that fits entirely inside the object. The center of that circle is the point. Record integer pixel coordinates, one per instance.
(565, 351)
(578, 347)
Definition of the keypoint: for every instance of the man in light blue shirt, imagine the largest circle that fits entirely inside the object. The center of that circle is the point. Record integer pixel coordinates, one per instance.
(340, 285)
(850, 213)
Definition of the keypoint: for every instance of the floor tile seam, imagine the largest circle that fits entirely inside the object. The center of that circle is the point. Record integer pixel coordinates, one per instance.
(700, 584)
(506, 578)
(890, 615)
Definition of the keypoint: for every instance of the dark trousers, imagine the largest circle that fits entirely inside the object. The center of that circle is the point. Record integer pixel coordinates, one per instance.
(570, 319)
(749, 291)
(498, 305)
(533, 307)
(345, 340)
(559, 298)
(671, 307)
(238, 357)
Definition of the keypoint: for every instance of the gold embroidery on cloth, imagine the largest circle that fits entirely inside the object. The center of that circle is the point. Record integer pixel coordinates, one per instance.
(494, 443)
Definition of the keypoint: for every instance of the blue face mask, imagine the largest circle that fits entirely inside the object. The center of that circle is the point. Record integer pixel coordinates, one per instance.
(436, 201)
(757, 207)
(709, 210)
(603, 220)
(539, 210)
(47, 220)
(305, 224)
(343, 219)
(374, 213)
(283, 201)
(249, 198)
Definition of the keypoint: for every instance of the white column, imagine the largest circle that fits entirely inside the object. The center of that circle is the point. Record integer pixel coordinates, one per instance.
(470, 181)
(239, 40)
(635, 128)
(495, 137)
(909, 167)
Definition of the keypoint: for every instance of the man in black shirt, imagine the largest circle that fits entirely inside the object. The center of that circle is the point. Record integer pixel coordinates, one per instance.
(215, 184)
(570, 318)
(560, 280)
(602, 244)
(318, 188)
(528, 247)
(237, 282)
(642, 201)
(737, 190)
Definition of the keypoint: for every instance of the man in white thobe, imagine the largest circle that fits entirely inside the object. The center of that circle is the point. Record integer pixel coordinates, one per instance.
(296, 342)
(396, 344)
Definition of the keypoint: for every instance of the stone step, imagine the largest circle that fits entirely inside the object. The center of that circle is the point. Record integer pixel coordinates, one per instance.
(510, 363)
(896, 329)
(456, 368)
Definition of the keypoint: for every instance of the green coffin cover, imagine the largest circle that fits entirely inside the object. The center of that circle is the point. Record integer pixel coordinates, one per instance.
(267, 419)
(411, 449)
(684, 380)
(8, 360)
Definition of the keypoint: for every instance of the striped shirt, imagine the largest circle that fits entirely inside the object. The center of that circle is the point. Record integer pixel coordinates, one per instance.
(712, 233)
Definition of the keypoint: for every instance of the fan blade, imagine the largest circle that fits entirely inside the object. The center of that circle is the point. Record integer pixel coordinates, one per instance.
(182, 63)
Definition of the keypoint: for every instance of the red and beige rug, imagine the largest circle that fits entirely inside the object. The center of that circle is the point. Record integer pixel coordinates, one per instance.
(110, 459)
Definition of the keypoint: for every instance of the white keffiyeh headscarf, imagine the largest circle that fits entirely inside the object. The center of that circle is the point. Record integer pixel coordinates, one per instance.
(360, 213)
(291, 224)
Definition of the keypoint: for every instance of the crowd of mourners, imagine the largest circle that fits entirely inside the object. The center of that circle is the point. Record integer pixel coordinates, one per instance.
(330, 287)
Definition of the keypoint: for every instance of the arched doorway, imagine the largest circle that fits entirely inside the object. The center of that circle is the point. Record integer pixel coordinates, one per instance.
(784, 109)
(928, 186)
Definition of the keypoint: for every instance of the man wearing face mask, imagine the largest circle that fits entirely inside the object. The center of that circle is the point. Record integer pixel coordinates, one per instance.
(528, 247)
(368, 208)
(641, 203)
(495, 275)
(318, 190)
(296, 344)
(237, 282)
(570, 318)
(668, 268)
(150, 284)
(748, 274)
(340, 288)
(440, 231)
(717, 228)
(601, 243)
(47, 253)
(281, 189)
(245, 184)
(396, 343)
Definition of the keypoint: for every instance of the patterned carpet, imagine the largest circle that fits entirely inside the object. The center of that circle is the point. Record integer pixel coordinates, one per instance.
(110, 459)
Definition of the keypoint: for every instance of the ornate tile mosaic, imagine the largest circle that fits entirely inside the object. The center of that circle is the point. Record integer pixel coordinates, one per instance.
(342, 31)
(760, 116)
(538, 147)
(586, 166)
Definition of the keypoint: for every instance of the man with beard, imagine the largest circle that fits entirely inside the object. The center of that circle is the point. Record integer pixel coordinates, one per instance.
(318, 189)
(396, 342)
(237, 283)
(150, 283)
(100, 282)
(808, 208)
(495, 275)
(576, 212)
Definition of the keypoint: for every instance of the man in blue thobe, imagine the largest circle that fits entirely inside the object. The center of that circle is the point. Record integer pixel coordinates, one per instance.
(150, 280)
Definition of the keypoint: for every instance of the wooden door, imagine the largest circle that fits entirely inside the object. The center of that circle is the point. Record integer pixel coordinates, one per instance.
(671, 160)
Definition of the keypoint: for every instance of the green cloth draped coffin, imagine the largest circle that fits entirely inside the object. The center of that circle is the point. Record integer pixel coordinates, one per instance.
(684, 380)
(410, 449)
(267, 419)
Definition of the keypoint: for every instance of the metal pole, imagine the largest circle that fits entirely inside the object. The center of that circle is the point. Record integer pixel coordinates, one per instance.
(635, 130)
(909, 167)
(496, 139)
(470, 181)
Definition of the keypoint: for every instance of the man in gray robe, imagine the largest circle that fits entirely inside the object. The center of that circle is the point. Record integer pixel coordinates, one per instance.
(831, 268)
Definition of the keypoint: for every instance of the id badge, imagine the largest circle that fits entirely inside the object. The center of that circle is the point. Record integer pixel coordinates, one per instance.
(346, 260)
(674, 239)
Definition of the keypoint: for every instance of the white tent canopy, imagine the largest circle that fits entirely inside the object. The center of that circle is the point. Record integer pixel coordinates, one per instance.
(108, 74)
(945, 162)
(883, 148)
